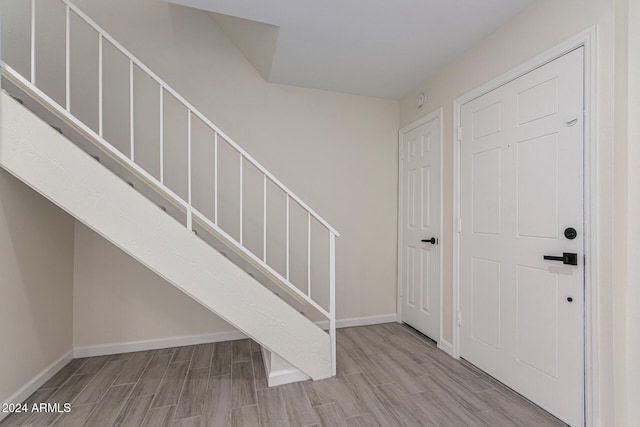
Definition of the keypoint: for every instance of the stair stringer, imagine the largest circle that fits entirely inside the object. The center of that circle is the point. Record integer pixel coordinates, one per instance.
(46, 161)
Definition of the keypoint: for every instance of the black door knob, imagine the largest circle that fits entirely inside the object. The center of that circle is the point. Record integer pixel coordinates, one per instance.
(432, 240)
(566, 258)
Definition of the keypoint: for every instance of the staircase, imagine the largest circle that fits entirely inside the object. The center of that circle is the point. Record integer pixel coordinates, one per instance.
(219, 227)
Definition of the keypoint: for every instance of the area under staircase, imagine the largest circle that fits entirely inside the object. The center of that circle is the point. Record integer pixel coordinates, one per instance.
(95, 131)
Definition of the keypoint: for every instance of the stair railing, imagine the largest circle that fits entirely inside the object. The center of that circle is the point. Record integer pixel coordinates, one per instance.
(30, 85)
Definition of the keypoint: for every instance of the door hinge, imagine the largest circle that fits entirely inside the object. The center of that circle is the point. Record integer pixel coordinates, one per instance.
(460, 133)
(459, 225)
(459, 318)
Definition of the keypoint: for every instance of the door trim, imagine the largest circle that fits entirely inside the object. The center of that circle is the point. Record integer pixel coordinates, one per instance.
(586, 39)
(434, 115)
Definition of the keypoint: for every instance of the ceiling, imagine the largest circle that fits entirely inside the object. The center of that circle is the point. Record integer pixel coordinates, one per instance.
(380, 48)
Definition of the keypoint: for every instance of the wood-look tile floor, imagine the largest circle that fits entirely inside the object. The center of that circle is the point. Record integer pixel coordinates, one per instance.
(388, 375)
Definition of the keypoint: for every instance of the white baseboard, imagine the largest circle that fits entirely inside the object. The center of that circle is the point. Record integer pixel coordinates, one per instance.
(360, 321)
(446, 346)
(127, 347)
(36, 382)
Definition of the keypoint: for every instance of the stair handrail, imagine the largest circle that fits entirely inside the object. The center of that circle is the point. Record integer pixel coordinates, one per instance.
(30, 85)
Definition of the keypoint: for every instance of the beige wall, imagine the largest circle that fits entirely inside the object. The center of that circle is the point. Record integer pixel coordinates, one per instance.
(621, 212)
(117, 300)
(337, 152)
(627, 210)
(543, 25)
(36, 284)
(633, 248)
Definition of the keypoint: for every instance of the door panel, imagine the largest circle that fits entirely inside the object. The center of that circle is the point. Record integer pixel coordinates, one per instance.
(537, 176)
(485, 282)
(486, 167)
(521, 185)
(419, 262)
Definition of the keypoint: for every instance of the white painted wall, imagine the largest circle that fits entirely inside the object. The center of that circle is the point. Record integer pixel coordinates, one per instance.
(543, 25)
(36, 284)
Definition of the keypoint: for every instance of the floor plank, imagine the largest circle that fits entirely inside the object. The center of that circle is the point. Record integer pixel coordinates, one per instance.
(170, 387)
(519, 410)
(401, 373)
(221, 359)
(443, 410)
(247, 416)
(159, 417)
(202, 356)
(64, 374)
(364, 420)
(334, 390)
(193, 399)
(152, 375)
(442, 384)
(76, 417)
(374, 372)
(219, 401)
(404, 411)
(346, 364)
(367, 400)
(259, 370)
(183, 354)
(188, 422)
(497, 418)
(331, 415)
(94, 364)
(273, 412)
(241, 351)
(110, 406)
(243, 384)
(298, 406)
(132, 371)
(100, 383)
(134, 411)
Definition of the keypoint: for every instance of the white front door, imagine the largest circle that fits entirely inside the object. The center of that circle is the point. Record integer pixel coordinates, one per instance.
(521, 200)
(419, 257)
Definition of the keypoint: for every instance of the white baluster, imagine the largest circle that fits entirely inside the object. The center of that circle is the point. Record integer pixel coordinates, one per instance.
(161, 135)
(100, 74)
(33, 41)
(132, 156)
(241, 197)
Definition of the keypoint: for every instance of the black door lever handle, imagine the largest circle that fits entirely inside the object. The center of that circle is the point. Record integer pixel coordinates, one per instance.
(566, 258)
(432, 240)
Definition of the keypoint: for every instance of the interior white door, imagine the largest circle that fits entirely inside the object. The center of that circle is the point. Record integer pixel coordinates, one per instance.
(420, 227)
(521, 199)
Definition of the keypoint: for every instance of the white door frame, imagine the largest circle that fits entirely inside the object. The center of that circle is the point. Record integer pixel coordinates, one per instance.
(586, 39)
(434, 115)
